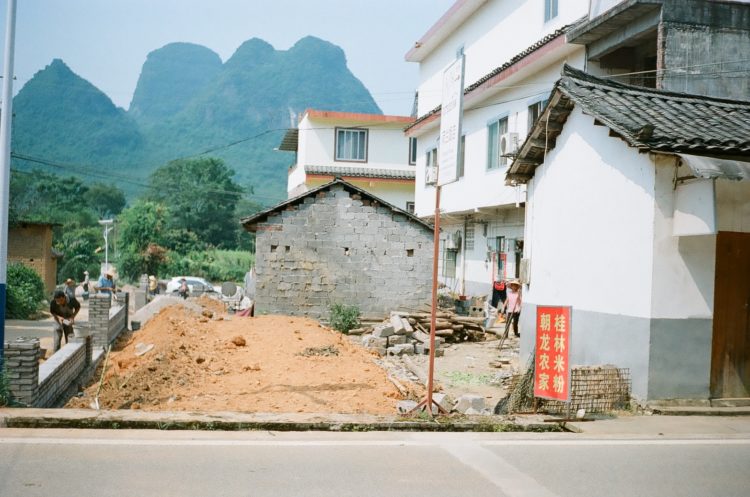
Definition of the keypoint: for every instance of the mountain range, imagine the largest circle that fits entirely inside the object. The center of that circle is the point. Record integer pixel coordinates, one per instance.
(187, 103)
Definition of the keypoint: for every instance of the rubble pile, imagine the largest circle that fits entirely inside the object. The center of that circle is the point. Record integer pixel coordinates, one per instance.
(408, 333)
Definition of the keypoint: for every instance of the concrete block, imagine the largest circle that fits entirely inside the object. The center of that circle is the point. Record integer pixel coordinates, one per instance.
(396, 340)
(405, 406)
(383, 331)
(470, 401)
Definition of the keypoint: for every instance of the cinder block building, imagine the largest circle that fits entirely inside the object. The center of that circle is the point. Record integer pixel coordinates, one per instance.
(340, 244)
(31, 244)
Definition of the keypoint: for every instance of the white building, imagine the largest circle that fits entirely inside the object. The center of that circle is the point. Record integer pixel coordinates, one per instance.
(369, 151)
(638, 217)
(514, 52)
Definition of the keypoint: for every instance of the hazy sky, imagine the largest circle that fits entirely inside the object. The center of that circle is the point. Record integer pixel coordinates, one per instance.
(106, 41)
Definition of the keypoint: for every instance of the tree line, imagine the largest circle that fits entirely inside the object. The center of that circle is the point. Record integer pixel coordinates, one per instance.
(187, 222)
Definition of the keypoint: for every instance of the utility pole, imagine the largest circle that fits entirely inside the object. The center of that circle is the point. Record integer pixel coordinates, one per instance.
(5, 120)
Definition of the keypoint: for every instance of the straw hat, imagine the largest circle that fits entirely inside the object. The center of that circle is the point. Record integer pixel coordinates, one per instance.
(152, 278)
(514, 282)
(70, 281)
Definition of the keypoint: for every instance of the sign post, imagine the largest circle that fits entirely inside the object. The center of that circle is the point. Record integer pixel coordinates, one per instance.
(552, 362)
(451, 115)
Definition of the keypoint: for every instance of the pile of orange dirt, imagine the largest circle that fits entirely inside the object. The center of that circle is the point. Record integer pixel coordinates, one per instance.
(205, 360)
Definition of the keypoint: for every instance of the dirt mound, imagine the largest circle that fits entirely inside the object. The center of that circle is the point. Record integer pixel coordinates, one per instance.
(196, 363)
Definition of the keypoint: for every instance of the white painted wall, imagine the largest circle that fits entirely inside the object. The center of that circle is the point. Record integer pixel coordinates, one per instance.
(495, 33)
(733, 205)
(387, 148)
(590, 222)
(683, 268)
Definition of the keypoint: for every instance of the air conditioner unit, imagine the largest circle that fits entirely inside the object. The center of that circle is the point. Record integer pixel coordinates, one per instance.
(457, 240)
(508, 144)
(430, 176)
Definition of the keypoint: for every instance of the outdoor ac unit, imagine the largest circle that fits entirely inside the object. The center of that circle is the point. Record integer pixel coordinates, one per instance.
(457, 240)
(430, 177)
(508, 144)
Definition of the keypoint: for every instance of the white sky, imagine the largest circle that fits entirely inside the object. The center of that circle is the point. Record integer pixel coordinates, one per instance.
(106, 41)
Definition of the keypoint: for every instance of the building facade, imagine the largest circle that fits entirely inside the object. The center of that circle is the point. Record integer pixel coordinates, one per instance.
(513, 53)
(638, 217)
(366, 150)
(339, 244)
(31, 245)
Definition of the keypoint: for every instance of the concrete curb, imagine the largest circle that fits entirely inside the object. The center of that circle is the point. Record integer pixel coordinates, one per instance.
(232, 421)
(701, 411)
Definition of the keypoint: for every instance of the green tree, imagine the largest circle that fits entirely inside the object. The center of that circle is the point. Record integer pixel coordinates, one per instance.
(105, 200)
(80, 248)
(201, 196)
(141, 239)
(25, 292)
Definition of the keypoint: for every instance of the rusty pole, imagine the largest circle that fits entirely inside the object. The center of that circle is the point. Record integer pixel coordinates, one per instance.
(433, 316)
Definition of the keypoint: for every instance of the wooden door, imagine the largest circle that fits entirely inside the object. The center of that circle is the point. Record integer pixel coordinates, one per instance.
(730, 356)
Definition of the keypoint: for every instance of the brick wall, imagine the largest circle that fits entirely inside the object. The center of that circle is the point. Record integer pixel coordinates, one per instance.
(107, 318)
(337, 247)
(61, 371)
(22, 369)
(31, 245)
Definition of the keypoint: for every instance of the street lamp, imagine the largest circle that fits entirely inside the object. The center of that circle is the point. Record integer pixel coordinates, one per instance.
(107, 223)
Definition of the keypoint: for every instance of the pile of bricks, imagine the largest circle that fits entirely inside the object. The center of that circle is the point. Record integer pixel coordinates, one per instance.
(406, 333)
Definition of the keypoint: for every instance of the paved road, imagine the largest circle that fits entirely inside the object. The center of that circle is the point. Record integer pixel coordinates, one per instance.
(151, 463)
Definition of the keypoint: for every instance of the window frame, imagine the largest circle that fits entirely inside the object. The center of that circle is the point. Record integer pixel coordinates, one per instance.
(551, 9)
(410, 207)
(338, 130)
(413, 150)
(461, 157)
(502, 162)
(431, 157)
(540, 104)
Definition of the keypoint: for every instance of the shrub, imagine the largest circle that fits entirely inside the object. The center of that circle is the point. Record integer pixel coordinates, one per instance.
(344, 317)
(6, 398)
(25, 292)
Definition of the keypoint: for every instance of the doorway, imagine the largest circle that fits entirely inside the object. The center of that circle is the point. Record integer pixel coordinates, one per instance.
(730, 350)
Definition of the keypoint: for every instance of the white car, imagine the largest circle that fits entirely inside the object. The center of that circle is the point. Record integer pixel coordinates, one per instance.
(195, 284)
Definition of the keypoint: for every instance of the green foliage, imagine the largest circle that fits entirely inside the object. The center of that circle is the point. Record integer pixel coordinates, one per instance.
(140, 239)
(213, 265)
(106, 200)
(343, 317)
(80, 248)
(6, 399)
(201, 197)
(25, 292)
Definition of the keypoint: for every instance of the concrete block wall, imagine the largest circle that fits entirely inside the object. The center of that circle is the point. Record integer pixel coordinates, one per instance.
(22, 369)
(340, 248)
(107, 319)
(59, 372)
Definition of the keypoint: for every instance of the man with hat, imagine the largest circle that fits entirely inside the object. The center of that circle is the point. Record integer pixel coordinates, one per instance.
(106, 283)
(512, 306)
(70, 288)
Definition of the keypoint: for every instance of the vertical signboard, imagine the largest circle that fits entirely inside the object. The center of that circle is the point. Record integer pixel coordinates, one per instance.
(552, 365)
(451, 113)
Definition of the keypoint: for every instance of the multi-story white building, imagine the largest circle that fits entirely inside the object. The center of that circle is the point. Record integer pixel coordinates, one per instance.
(368, 150)
(514, 52)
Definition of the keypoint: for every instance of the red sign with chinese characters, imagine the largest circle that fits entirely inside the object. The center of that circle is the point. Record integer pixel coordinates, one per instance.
(552, 367)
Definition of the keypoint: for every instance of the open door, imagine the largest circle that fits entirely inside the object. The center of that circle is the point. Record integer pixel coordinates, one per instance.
(730, 354)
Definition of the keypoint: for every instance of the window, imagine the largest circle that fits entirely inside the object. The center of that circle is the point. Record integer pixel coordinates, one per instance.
(469, 237)
(410, 207)
(449, 263)
(535, 110)
(351, 145)
(495, 131)
(461, 156)
(412, 151)
(550, 9)
(431, 164)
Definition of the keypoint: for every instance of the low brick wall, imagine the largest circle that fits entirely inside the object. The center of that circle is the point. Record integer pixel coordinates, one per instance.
(35, 385)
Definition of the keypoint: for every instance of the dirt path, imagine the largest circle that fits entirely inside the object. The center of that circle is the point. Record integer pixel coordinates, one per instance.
(213, 362)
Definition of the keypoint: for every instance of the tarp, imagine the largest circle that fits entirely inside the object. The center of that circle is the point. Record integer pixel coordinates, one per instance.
(711, 167)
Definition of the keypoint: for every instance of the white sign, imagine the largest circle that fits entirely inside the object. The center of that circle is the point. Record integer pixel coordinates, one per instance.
(451, 114)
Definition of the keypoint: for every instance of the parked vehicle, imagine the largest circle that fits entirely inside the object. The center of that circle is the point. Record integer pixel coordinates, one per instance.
(195, 284)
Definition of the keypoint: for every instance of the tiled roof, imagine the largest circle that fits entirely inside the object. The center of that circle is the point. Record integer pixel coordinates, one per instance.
(362, 171)
(251, 223)
(514, 60)
(645, 118)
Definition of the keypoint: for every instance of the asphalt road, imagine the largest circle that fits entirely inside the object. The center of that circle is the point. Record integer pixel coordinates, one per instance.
(75, 463)
(32, 329)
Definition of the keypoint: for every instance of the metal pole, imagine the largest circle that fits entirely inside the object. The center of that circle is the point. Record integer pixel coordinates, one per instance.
(5, 121)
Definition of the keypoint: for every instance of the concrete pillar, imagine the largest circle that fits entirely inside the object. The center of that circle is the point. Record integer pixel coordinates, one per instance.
(88, 342)
(99, 305)
(141, 293)
(22, 369)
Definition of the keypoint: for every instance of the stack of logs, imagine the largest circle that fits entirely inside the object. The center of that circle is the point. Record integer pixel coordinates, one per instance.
(409, 332)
